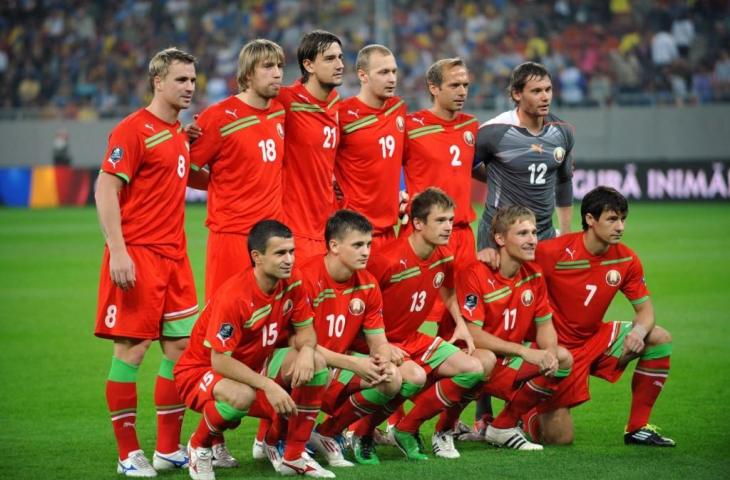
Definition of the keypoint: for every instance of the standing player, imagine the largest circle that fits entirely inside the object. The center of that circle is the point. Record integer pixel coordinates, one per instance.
(347, 303)
(146, 289)
(242, 144)
(370, 155)
(505, 308)
(584, 272)
(525, 157)
(411, 272)
(312, 139)
(218, 374)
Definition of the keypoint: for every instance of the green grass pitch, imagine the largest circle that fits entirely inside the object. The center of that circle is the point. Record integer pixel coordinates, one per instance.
(54, 423)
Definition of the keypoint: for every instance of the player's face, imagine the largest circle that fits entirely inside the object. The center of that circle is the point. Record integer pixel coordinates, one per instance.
(381, 77)
(521, 240)
(178, 86)
(609, 228)
(438, 226)
(278, 260)
(535, 98)
(452, 93)
(266, 78)
(353, 249)
(327, 67)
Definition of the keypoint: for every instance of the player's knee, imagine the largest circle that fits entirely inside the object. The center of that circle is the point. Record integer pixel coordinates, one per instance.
(473, 365)
(173, 348)
(658, 336)
(319, 362)
(393, 385)
(131, 351)
(565, 359)
(242, 397)
(556, 428)
(413, 374)
(487, 359)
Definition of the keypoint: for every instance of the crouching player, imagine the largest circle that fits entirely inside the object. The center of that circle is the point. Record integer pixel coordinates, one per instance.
(347, 302)
(584, 271)
(217, 374)
(504, 309)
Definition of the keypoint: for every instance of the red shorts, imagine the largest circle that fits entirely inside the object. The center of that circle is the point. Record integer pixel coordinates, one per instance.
(382, 239)
(306, 247)
(597, 357)
(506, 377)
(464, 248)
(162, 303)
(195, 386)
(428, 352)
(226, 255)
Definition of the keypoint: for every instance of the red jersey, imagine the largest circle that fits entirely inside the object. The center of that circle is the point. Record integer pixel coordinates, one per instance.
(409, 284)
(507, 308)
(309, 161)
(243, 147)
(369, 159)
(342, 310)
(581, 286)
(440, 153)
(242, 321)
(153, 158)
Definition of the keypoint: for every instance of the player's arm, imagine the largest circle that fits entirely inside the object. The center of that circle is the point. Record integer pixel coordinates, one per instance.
(121, 266)
(485, 340)
(461, 332)
(364, 367)
(233, 369)
(547, 340)
(644, 322)
(305, 343)
(564, 194)
(479, 173)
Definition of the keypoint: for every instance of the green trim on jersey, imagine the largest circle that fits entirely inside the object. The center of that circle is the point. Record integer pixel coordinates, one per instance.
(373, 331)
(422, 131)
(393, 108)
(497, 294)
(528, 279)
(618, 260)
(468, 122)
(275, 114)
(166, 368)
(468, 379)
(657, 351)
(439, 262)
(179, 328)
(157, 138)
(305, 107)
(124, 178)
(639, 301)
(544, 318)
(229, 412)
(405, 274)
(194, 167)
(303, 323)
(408, 389)
(237, 125)
(361, 123)
(322, 296)
(573, 265)
(367, 286)
(122, 372)
(334, 100)
(258, 315)
(288, 289)
(478, 323)
(275, 361)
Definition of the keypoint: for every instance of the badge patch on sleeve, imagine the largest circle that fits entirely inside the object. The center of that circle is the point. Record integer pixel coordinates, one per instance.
(470, 303)
(225, 332)
(115, 156)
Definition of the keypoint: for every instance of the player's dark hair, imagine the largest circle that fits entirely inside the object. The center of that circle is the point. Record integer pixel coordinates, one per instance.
(160, 64)
(431, 197)
(602, 199)
(343, 222)
(505, 217)
(312, 44)
(522, 74)
(262, 231)
(435, 73)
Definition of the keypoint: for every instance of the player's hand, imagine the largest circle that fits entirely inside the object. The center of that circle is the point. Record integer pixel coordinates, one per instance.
(369, 370)
(543, 359)
(397, 355)
(122, 270)
(461, 332)
(634, 341)
(490, 256)
(279, 399)
(193, 130)
(403, 199)
(302, 369)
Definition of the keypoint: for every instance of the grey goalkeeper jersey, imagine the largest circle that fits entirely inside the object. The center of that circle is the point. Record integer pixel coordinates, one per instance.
(525, 169)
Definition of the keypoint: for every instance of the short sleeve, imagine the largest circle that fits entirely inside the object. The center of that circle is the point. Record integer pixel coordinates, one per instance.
(634, 285)
(543, 312)
(373, 323)
(468, 294)
(124, 153)
(205, 149)
(225, 328)
(302, 314)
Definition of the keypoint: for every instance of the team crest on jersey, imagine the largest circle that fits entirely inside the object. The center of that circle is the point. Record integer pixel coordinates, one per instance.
(527, 297)
(469, 138)
(116, 156)
(559, 154)
(400, 124)
(225, 332)
(280, 130)
(470, 302)
(613, 278)
(438, 279)
(288, 305)
(357, 306)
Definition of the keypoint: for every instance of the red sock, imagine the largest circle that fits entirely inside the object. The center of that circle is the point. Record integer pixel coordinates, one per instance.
(170, 413)
(365, 426)
(646, 385)
(211, 425)
(269, 423)
(531, 423)
(308, 399)
(399, 413)
(441, 395)
(121, 398)
(358, 405)
(530, 394)
(449, 417)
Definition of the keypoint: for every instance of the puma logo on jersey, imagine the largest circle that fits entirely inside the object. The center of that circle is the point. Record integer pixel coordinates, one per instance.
(303, 97)
(150, 126)
(404, 263)
(536, 147)
(355, 113)
(232, 113)
(570, 252)
(491, 282)
(128, 425)
(418, 120)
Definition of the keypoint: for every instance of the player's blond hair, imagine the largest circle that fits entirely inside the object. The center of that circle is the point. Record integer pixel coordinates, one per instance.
(435, 73)
(363, 56)
(505, 217)
(254, 53)
(160, 63)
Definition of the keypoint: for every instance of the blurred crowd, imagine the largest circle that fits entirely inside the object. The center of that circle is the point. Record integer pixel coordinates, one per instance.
(88, 59)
